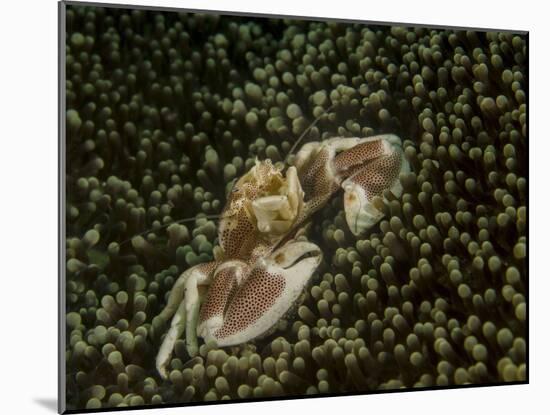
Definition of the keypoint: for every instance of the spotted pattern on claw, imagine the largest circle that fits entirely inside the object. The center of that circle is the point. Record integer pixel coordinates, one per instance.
(207, 267)
(379, 174)
(318, 183)
(221, 290)
(315, 182)
(236, 236)
(355, 157)
(254, 297)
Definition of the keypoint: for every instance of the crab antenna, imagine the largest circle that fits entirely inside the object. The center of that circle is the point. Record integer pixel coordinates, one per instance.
(306, 131)
(219, 216)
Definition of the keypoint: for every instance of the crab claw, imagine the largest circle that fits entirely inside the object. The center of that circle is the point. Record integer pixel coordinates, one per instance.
(371, 180)
(267, 294)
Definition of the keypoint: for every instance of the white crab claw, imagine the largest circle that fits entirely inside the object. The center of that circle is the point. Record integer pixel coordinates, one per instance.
(380, 174)
(267, 294)
(361, 214)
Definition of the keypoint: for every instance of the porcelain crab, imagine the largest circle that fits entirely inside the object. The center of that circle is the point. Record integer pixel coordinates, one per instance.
(262, 269)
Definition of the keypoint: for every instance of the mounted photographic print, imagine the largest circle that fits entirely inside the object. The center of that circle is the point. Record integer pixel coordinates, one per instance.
(273, 207)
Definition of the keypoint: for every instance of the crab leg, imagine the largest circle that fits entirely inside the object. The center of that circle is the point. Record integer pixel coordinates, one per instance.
(192, 307)
(184, 312)
(176, 330)
(178, 289)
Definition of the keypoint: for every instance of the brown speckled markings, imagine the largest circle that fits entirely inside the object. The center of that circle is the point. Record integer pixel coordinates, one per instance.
(318, 184)
(220, 291)
(237, 235)
(208, 267)
(237, 232)
(378, 175)
(358, 156)
(252, 299)
(316, 181)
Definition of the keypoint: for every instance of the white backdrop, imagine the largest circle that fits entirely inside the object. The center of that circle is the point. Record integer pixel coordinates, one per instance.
(28, 203)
